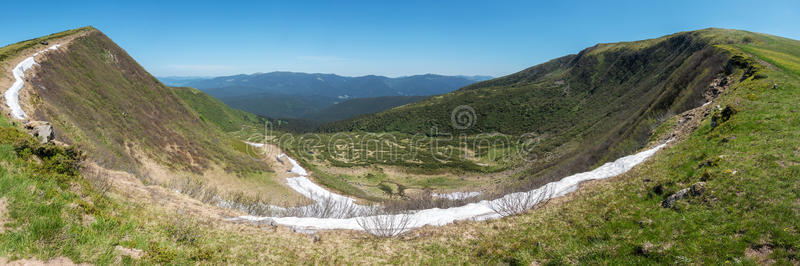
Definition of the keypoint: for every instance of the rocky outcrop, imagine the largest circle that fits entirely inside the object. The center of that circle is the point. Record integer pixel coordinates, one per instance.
(42, 130)
(722, 115)
(695, 190)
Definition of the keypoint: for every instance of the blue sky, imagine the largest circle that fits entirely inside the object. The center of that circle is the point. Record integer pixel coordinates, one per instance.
(393, 38)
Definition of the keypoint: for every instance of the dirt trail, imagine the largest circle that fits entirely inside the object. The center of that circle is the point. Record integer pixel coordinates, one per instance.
(3, 214)
(34, 262)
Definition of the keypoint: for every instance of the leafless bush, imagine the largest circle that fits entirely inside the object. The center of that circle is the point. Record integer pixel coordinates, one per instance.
(426, 200)
(520, 202)
(319, 207)
(253, 205)
(328, 207)
(195, 188)
(385, 224)
(101, 182)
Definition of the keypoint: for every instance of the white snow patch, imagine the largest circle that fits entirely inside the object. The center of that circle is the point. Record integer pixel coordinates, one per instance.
(257, 145)
(474, 211)
(12, 94)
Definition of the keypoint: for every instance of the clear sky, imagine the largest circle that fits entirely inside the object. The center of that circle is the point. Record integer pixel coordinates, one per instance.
(392, 38)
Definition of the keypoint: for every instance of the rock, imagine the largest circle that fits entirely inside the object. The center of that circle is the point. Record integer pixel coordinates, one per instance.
(695, 190)
(130, 252)
(645, 248)
(41, 130)
(316, 238)
(645, 222)
(267, 221)
(698, 188)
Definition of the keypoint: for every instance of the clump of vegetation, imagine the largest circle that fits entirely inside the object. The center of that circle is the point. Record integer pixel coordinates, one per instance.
(723, 115)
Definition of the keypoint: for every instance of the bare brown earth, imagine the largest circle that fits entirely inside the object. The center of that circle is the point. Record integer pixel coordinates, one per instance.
(34, 262)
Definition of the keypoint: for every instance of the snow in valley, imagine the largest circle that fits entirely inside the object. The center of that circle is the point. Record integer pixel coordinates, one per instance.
(486, 209)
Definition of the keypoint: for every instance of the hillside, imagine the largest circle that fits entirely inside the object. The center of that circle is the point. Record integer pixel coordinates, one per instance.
(736, 158)
(360, 106)
(215, 112)
(279, 105)
(101, 101)
(584, 109)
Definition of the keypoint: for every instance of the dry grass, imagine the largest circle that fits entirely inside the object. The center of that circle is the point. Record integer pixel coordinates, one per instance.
(3, 214)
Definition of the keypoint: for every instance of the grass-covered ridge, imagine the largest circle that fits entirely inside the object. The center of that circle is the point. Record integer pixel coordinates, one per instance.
(99, 98)
(586, 109)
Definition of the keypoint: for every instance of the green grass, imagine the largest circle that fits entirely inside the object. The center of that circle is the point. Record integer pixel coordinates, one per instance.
(411, 153)
(750, 163)
(54, 213)
(217, 113)
(622, 223)
(14, 49)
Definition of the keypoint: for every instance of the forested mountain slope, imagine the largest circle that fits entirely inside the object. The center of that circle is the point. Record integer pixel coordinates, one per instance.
(587, 108)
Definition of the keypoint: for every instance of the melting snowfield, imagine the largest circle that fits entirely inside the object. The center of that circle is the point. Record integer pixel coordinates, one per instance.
(474, 211)
(12, 94)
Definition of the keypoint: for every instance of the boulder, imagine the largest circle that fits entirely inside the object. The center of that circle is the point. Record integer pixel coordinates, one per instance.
(696, 189)
(41, 130)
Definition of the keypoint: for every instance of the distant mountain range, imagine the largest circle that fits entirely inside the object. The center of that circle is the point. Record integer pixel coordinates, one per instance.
(303, 95)
(180, 81)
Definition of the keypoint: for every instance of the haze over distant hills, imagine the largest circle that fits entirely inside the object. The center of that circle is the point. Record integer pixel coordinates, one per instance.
(302, 95)
(178, 81)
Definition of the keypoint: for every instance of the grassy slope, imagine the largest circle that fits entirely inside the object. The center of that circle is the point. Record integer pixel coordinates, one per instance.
(757, 207)
(99, 98)
(752, 200)
(214, 111)
(621, 220)
(587, 109)
(614, 221)
(361, 106)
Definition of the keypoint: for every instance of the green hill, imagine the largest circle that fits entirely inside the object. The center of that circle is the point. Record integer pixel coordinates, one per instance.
(214, 111)
(99, 98)
(361, 106)
(102, 102)
(744, 208)
(588, 108)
